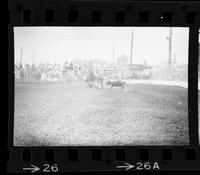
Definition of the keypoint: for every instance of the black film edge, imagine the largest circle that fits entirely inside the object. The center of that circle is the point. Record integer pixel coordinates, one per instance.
(52, 13)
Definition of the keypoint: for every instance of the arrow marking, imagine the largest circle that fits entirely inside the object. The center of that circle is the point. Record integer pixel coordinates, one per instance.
(127, 166)
(33, 168)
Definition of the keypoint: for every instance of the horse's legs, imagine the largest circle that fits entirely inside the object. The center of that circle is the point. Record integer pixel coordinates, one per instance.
(90, 85)
(102, 84)
(123, 86)
(87, 83)
(93, 84)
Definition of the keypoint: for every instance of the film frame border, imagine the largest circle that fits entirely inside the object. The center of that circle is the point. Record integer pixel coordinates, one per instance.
(108, 13)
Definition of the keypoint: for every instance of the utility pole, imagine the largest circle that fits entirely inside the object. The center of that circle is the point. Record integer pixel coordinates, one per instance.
(170, 47)
(114, 66)
(33, 56)
(175, 58)
(17, 61)
(21, 55)
(131, 56)
(113, 54)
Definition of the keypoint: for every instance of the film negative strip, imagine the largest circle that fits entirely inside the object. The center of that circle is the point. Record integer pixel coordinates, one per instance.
(103, 86)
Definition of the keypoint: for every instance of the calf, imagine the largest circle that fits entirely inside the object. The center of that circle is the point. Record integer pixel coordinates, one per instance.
(117, 83)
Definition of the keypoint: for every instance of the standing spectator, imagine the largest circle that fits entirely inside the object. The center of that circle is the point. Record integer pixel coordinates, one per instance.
(33, 72)
(21, 72)
(17, 73)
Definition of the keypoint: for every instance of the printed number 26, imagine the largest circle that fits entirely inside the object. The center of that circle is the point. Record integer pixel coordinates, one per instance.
(50, 168)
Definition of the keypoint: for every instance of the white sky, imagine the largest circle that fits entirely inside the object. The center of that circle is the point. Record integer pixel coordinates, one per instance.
(57, 44)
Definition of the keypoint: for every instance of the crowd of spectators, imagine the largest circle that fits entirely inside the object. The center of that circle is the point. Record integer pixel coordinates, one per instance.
(53, 72)
(79, 69)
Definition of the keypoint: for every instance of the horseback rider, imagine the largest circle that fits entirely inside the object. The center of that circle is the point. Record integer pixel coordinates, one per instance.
(90, 78)
(94, 76)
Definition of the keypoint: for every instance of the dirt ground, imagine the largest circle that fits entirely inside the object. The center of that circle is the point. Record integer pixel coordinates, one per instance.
(70, 114)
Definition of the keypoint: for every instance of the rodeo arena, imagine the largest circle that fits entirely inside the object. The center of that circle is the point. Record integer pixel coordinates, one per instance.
(93, 102)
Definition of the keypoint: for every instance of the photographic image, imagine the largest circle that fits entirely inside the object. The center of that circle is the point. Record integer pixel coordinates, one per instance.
(101, 86)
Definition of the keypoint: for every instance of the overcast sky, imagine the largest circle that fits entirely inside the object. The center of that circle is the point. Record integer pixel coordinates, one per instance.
(57, 44)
